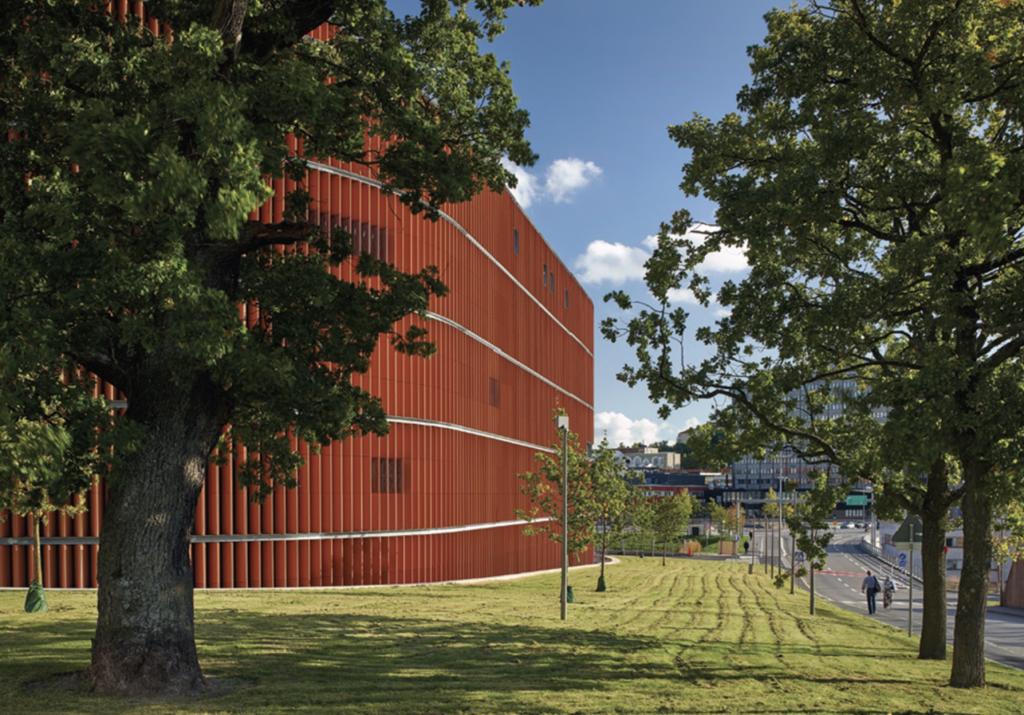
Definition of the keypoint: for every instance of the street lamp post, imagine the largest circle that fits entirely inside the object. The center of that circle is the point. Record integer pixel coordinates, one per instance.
(780, 525)
(910, 580)
(563, 425)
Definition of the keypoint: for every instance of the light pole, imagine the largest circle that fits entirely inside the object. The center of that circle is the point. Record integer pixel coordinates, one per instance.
(792, 563)
(810, 568)
(780, 525)
(563, 425)
(910, 580)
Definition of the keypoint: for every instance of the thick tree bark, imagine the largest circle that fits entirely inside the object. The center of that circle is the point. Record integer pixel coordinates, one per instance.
(934, 512)
(972, 598)
(933, 568)
(145, 640)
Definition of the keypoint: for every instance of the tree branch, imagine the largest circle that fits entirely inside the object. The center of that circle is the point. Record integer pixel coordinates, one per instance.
(256, 235)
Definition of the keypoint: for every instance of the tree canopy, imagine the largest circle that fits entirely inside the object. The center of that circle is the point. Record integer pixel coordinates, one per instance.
(137, 151)
(872, 173)
(543, 489)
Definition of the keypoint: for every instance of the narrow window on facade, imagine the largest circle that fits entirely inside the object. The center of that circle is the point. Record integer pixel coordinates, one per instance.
(367, 238)
(343, 225)
(495, 392)
(566, 297)
(364, 238)
(515, 241)
(386, 475)
(373, 248)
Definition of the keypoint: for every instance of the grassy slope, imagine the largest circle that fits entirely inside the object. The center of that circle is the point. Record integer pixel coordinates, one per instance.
(690, 636)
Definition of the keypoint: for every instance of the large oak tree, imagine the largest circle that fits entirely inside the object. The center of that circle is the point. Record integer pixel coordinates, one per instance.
(873, 173)
(132, 164)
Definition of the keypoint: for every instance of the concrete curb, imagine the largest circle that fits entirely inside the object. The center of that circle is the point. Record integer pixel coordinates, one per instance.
(458, 582)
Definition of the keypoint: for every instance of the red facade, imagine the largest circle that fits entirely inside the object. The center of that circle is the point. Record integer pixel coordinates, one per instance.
(436, 498)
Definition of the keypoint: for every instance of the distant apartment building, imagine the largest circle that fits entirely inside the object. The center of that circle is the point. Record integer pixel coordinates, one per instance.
(785, 465)
(648, 458)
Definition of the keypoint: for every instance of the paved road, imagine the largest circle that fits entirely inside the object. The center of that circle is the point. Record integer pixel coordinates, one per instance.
(845, 569)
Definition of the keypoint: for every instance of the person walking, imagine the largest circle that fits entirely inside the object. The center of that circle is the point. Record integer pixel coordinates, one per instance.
(888, 589)
(870, 587)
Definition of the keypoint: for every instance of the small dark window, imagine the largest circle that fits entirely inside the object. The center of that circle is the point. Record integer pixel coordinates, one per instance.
(495, 393)
(515, 241)
(949, 541)
(343, 224)
(373, 247)
(566, 297)
(383, 247)
(364, 239)
(386, 475)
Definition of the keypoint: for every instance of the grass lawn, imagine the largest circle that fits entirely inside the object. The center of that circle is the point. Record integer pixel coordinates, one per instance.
(690, 636)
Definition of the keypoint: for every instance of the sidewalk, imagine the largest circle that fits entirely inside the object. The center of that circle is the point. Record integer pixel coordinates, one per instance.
(1007, 611)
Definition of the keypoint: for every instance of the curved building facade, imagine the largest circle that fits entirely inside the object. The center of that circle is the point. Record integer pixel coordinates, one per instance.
(435, 499)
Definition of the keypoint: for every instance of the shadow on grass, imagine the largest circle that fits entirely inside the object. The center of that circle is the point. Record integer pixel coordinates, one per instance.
(359, 661)
(716, 662)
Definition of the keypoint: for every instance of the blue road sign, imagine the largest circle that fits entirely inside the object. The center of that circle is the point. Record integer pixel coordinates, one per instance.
(902, 561)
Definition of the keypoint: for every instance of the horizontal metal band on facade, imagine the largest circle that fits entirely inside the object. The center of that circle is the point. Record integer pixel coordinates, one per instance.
(419, 422)
(469, 237)
(314, 536)
(498, 351)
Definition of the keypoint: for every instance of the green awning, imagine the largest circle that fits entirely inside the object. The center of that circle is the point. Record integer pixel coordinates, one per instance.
(857, 500)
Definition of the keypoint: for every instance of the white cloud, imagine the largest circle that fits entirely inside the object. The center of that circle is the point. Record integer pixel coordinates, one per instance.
(686, 295)
(728, 259)
(618, 262)
(526, 188)
(567, 176)
(620, 429)
(611, 262)
(623, 430)
(564, 177)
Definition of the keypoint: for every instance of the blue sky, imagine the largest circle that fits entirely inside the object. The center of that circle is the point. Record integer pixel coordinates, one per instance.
(602, 80)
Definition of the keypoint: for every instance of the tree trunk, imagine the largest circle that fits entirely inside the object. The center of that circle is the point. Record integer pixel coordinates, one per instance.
(145, 639)
(972, 599)
(933, 568)
(812, 587)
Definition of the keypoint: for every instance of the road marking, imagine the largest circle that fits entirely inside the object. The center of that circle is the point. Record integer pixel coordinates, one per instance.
(833, 572)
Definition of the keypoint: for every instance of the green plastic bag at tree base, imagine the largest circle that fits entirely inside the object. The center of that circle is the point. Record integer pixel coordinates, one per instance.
(568, 595)
(35, 599)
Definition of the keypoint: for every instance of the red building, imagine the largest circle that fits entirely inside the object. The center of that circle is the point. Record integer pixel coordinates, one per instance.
(435, 499)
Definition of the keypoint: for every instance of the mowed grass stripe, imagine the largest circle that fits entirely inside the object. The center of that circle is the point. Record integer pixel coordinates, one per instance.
(690, 636)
